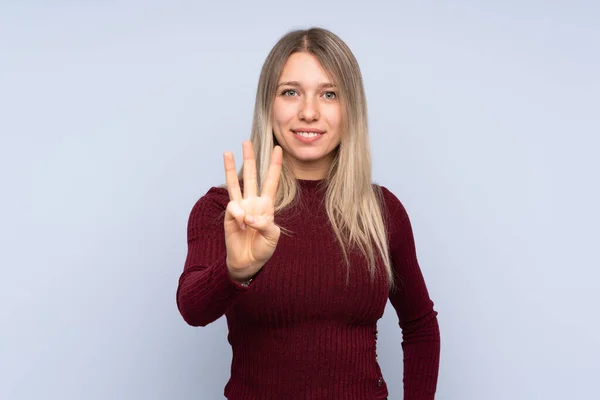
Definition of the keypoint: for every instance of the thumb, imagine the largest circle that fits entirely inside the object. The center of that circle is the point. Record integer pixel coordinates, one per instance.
(265, 225)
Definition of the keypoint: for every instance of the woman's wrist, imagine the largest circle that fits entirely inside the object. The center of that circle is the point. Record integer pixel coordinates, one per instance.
(238, 276)
(247, 282)
(242, 280)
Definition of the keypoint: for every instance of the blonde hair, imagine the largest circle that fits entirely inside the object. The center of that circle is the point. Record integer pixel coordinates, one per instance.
(353, 204)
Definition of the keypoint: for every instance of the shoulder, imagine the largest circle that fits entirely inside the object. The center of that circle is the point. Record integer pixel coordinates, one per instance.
(211, 205)
(392, 208)
(215, 197)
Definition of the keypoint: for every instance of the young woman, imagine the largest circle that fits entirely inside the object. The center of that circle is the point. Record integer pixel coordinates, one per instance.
(301, 251)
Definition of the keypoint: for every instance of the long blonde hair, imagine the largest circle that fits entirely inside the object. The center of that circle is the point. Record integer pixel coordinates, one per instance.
(353, 204)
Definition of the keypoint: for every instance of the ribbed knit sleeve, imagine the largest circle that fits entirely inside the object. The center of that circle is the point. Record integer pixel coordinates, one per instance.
(416, 315)
(206, 290)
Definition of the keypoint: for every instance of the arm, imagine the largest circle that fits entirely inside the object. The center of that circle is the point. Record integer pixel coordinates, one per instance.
(416, 315)
(206, 290)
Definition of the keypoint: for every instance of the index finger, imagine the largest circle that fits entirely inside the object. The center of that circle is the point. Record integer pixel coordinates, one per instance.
(269, 188)
(231, 178)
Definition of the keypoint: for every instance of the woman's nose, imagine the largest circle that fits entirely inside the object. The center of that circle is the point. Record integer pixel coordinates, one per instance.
(309, 110)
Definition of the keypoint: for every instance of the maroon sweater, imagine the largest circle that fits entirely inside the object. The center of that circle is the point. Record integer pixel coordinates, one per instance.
(299, 331)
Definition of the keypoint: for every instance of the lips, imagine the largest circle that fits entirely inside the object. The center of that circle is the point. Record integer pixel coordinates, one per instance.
(307, 136)
(308, 130)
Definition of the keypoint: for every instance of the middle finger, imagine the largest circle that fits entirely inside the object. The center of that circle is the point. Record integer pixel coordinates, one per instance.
(250, 183)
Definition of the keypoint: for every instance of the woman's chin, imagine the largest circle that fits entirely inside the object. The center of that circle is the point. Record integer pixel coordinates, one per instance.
(313, 156)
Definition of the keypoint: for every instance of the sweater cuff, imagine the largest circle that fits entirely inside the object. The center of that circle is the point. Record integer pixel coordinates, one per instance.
(223, 279)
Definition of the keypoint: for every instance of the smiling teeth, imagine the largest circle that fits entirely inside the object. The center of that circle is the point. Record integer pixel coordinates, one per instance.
(307, 134)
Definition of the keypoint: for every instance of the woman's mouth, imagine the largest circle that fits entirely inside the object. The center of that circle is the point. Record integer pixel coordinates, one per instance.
(308, 135)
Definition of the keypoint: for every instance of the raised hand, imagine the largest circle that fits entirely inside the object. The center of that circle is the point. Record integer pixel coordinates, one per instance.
(251, 235)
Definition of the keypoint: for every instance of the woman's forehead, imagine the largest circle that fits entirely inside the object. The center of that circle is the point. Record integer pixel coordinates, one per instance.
(304, 69)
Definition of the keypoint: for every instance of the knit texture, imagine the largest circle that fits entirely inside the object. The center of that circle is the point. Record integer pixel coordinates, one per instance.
(300, 330)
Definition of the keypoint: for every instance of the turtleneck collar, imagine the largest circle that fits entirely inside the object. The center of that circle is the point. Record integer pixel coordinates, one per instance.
(310, 184)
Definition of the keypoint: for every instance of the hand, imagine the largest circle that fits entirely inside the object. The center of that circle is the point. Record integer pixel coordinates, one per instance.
(250, 231)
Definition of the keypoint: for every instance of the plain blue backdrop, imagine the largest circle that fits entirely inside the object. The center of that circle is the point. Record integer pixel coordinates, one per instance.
(114, 117)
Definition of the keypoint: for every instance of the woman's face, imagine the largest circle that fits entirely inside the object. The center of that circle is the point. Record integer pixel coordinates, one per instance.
(307, 116)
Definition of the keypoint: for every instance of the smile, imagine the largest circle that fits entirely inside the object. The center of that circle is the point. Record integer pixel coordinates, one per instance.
(308, 136)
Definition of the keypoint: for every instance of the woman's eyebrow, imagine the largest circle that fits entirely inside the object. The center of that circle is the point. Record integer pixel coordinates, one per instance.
(297, 84)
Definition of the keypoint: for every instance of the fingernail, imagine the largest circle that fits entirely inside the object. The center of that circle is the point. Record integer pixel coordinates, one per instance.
(243, 226)
(250, 219)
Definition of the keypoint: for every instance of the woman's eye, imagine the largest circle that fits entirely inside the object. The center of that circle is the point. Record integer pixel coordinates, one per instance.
(330, 95)
(289, 92)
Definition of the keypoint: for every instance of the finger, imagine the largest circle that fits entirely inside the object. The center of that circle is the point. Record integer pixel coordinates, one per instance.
(231, 177)
(235, 212)
(249, 170)
(272, 179)
(265, 225)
